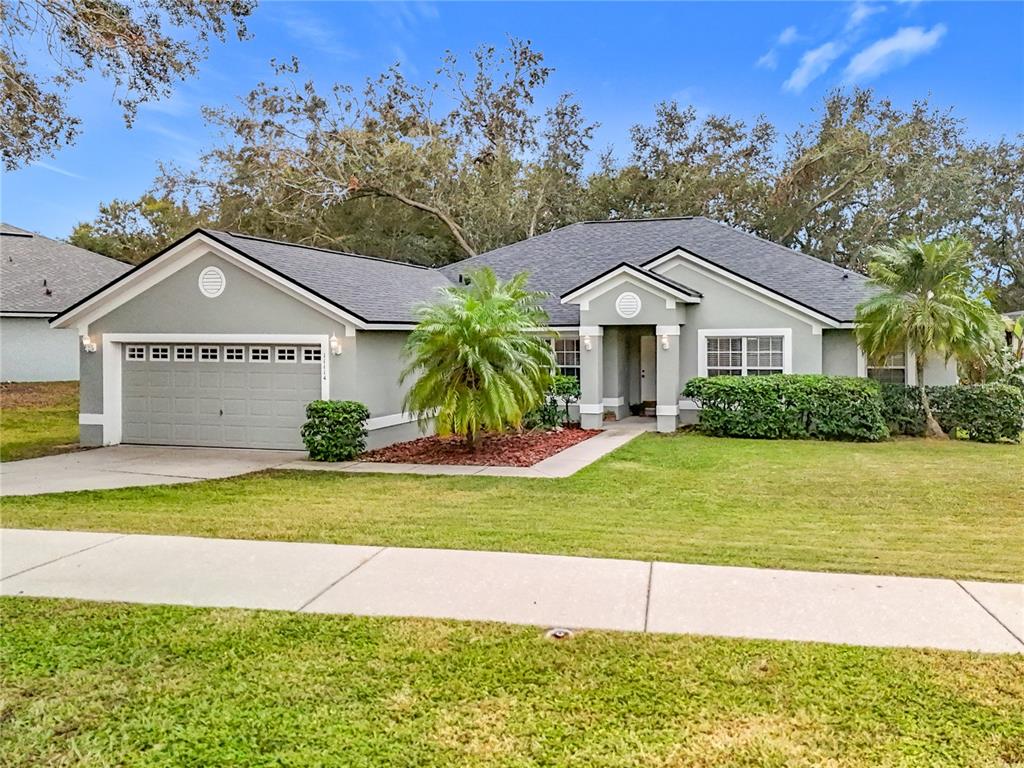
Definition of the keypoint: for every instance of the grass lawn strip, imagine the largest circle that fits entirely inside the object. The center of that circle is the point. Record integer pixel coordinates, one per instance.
(38, 419)
(906, 507)
(102, 684)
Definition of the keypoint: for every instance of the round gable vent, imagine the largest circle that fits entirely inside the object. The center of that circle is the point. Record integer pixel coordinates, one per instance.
(211, 282)
(628, 304)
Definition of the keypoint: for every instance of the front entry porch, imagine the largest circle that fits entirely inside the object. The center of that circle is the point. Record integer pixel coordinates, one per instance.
(629, 370)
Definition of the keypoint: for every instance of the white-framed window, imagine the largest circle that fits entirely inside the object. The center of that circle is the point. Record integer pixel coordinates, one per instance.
(259, 354)
(209, 354)
(311, 355)
(132, 352)
(892, 370)
(234, 354)
(159, 353)
(567, 356)
(286, 354)
(184, 354)
(743, 353)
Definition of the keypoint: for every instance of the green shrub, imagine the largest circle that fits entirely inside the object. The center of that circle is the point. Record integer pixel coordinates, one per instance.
(901, 409)
(335, 430)
(984, 412)
(787, 406)
(547, 415)
(566, 389)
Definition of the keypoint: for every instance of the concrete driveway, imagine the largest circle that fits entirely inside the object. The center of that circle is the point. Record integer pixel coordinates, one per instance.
(123, 466)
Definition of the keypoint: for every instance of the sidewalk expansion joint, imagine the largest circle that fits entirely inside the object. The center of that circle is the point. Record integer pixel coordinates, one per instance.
(647, 605)
(984, 607)
(338, 580)
(64, 557)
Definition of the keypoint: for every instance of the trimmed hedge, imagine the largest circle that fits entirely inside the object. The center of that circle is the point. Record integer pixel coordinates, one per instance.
(987, 413)
(335, 430)
(789, 406)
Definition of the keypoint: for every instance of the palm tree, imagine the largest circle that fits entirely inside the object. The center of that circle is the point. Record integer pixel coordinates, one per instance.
(478, 356)
(925, 307)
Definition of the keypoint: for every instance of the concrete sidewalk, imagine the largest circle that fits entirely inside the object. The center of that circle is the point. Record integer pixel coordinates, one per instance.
(530, 589)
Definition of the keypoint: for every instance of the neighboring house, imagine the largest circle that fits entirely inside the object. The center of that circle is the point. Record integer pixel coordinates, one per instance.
(38, 278)
(222, 339)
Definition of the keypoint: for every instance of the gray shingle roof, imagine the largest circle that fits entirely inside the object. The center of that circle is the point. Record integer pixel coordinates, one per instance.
(70, 273)
(562, 259)
(376, 290)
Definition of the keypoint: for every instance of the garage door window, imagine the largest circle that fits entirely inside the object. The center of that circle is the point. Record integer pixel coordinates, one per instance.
(159, 353)
(135, 353)
(311, 354)
(259, 354)
(234, 354)
(184, 354)
(209, 354)
(287, 355)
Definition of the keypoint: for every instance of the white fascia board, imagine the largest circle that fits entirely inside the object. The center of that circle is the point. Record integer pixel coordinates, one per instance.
(588, 291)
(37, 315)
(713, 271)
(179, 257)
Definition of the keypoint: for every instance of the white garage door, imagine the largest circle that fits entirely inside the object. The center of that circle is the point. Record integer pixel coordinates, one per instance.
(237, 396)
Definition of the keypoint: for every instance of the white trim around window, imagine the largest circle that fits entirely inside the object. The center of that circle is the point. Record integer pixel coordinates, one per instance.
(703, 334)
(911, 366)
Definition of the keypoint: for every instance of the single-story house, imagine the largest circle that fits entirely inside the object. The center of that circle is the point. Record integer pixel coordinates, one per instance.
(221, 339)
(38, 278)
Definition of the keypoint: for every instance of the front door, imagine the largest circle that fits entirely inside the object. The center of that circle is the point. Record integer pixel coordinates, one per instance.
(648, 369)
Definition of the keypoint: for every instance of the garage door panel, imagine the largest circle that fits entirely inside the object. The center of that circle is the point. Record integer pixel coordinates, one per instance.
(217, 403)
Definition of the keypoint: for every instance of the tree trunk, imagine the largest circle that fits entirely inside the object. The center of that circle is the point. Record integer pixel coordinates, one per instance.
(931, 425)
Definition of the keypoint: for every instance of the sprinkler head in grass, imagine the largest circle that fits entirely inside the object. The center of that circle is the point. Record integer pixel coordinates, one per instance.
(558, 633)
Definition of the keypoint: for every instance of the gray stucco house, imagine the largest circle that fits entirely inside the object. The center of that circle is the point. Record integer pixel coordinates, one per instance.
(38, 278)
(222, 339)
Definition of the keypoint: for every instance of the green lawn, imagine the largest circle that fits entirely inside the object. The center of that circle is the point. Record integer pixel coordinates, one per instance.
(94, 684)
(910, 507)
(37, 419)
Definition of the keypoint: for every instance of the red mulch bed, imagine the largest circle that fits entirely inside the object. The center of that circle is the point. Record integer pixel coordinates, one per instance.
(512, 449)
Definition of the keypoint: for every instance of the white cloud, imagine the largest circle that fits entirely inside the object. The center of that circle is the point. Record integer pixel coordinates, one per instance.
(891, 52)
(813, 64)
(56, 169)
(313, 31)
(788, 35)
(860, 13)
(769, 61)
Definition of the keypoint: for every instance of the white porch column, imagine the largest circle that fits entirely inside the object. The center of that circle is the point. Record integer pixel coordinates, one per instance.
(591, 376)
(667, 340)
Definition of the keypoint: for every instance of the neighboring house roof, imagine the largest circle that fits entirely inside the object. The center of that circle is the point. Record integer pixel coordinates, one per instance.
(562, 259)
(43, 276)
(1016, 313)
(375, 290)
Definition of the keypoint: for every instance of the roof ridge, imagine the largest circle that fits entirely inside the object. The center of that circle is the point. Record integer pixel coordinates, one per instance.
(510, 245)
(638, 221)
(331, 251)
(844, 270)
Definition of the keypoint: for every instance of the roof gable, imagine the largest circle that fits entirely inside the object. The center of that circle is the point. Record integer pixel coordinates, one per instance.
(658, 284)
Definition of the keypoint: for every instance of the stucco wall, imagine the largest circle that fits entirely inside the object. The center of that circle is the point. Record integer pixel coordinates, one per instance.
(724, 306)
(601, 310)
(839, 353)
(30, 350)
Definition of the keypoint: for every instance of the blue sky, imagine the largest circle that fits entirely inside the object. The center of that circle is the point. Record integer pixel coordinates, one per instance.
(619, 59)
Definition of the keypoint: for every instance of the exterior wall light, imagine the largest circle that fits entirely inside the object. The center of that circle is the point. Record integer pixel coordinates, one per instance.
(586, 343)
(88, 344)
(335, 345)
(664, 341)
